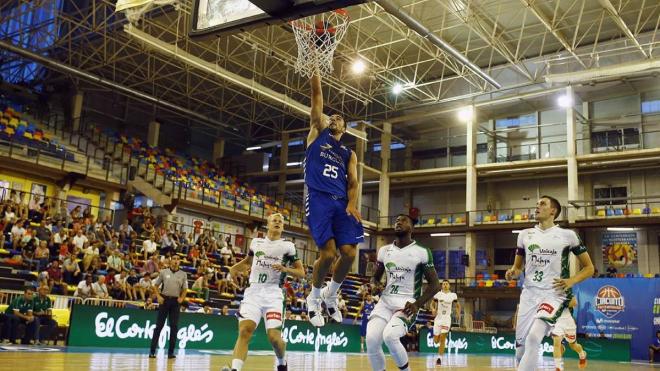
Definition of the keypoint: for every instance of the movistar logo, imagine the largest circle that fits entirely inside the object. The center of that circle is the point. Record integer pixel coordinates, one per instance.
(259, 254)
(533, 247)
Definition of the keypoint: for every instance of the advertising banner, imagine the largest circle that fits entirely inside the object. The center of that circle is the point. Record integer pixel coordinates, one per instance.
(97, 326)
(620, 251)
(479, 343)
(619, 309)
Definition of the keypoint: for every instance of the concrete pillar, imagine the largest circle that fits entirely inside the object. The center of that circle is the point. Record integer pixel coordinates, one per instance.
(492, 143)
(76, 111)
(408, 153)
(218, 149)
(109, 198)
(284, 158)
(153, 133)
(570, 156)
(471, 194)
(586, 129)
(384, 183)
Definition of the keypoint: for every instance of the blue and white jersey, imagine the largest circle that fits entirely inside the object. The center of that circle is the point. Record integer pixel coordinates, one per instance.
(326, 165)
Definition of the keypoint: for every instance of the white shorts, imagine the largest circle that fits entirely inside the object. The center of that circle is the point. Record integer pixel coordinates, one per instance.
(565, 326)
(388, 307)
(535, 303)
(441, 325)
(263, 302)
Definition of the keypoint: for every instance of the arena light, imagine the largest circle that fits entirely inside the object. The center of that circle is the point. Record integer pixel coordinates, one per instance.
(465, 114)
(440, 234)
(397, 89)
(253, 148)
(296, 163)
(358, 66)
(366, 234)
(620, 229)
(516, 231)
(565, 101)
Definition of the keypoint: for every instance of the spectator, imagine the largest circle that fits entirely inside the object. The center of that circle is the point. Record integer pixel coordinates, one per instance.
(41, 256)
(227, 283)
(85, 288)
(342, 305)
(363, 291)
(201, 285)
(225, 310)
(655, 347)
(611, 271)
(55, 278)
(125, 229)
(145, 286)
(112, 245)
(80, 240)
(17, 232)
(71, 270)
(149, 246)
(100, 288)
(43, 233)
(115, 261)
(131, 282)
(43, 315)
(118, 288)
(90, 253)
(152, 267)
(21, 310)
(193, 255)
(227, 256)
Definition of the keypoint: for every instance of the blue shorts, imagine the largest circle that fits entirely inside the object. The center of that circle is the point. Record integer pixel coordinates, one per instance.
(327, 219)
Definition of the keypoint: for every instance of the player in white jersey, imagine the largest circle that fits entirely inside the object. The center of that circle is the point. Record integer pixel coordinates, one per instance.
(547, 286)
(565, 328)
(442, 305)
(404, 262)
(267, 259)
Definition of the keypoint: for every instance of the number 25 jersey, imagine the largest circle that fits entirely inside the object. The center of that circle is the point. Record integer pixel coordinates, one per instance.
(326, 165)
(546, 254)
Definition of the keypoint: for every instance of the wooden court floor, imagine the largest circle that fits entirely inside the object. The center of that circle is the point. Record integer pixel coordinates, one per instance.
(51, 359)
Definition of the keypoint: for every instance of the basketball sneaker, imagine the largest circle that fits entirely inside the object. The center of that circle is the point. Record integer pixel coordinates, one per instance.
(282, 368)
(331, 305)
(583, 361)
(438, 362)
(315, 311)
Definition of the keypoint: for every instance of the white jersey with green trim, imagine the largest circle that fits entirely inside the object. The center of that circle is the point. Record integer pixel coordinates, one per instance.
(547, 253)
(445, 300)
(404, 269)
(265, 253)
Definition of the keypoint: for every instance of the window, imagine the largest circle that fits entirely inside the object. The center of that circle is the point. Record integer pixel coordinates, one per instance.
(393, 146)
(482, 258)
(652, 106)
(505, 256)
(514, 122)
(607, 192)
(613, 140)
(456, 267)
(440, 262)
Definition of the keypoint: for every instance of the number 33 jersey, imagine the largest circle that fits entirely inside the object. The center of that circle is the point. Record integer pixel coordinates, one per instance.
(326, 165)
(265, 253)
(546, 254)
(404, 269)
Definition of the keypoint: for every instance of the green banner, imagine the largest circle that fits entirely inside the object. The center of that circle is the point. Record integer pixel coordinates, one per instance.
(107, 327)
(474, 343)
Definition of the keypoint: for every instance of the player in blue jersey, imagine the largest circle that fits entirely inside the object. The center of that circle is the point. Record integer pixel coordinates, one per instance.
(363, 313)
(330, 206)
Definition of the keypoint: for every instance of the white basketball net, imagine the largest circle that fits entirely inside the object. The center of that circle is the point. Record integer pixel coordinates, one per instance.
(134, 9)
(317, 37)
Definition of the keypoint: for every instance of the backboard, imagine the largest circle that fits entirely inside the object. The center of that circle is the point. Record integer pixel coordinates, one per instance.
(217, 17)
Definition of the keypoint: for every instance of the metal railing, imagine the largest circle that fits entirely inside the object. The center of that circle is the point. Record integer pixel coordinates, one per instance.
(618, 207)
(431, 220)
(612, 141)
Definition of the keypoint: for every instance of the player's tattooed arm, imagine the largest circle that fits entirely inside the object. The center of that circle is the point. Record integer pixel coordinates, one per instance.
(431, 289)
(317, 120)
(377, 279)
(351, 208)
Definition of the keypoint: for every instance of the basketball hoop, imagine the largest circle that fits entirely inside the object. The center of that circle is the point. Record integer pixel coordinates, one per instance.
(134, 9)
(317, 37)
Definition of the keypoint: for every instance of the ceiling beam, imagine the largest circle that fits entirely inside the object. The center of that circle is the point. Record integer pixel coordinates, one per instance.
(607, 5)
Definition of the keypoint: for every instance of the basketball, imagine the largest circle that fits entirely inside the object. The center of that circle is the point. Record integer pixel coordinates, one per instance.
(620, 255)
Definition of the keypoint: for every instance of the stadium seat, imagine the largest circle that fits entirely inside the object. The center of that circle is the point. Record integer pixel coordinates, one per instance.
(489, 283)
(517, 218)
(637, 212)
(459, 220)
(479, 218)
(655, 210)
(600, 213)
(646, 211)
(610, 212)
(618, 212)
(444, 221)
(431, 221)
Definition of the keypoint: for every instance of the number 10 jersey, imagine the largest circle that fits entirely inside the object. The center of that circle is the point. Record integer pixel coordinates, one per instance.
(265, 253)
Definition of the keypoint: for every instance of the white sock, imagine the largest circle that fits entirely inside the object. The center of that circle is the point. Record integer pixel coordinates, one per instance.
(316, 292)
(559, 364)
(333, 287)
(236, 364)
(281, 361)
(582, 355)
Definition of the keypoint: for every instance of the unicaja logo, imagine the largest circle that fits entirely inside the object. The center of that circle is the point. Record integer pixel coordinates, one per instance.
(609, 301)
(259, 254)
(533, 247)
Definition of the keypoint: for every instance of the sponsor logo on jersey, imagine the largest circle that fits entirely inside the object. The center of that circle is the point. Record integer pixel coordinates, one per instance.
(545, 307)
(609, 301)
(259, 254)
(395, 273)
(533, 247)
(326, 146)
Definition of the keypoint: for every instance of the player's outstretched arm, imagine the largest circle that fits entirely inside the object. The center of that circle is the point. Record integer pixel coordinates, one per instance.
(378, 275)
(351, 208)
(317, 121)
